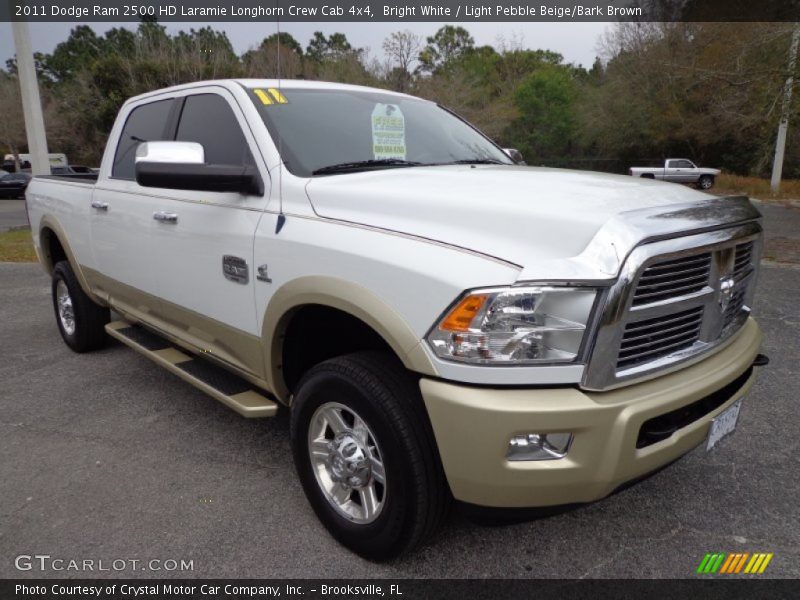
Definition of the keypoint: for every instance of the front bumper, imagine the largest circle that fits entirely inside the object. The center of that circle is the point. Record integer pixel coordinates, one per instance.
(474, 425)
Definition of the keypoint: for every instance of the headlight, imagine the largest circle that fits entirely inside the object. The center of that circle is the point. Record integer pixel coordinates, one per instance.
(515, 325)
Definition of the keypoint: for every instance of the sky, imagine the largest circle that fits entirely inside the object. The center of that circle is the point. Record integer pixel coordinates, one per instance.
(577, 42)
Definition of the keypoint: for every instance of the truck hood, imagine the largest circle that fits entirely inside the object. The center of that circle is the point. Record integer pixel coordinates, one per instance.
(518, 214)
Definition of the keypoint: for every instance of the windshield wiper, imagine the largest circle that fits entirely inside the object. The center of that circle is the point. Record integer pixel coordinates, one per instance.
(365, 164)
(477, 161)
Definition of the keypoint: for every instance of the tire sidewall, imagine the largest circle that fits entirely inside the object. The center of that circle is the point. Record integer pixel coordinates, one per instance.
(380, 538)
(60, 273)
(709, 180)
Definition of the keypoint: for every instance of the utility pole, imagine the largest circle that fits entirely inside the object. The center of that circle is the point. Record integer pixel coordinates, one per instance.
(783, 125)
(31, 101)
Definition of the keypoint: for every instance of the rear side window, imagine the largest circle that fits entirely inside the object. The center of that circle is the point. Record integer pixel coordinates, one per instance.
(146, 123)
(209, 120)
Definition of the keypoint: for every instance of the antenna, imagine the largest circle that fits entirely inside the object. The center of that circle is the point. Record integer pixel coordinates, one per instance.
(281, 216)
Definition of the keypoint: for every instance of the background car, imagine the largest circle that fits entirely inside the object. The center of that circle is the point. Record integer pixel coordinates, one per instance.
(679, 170)
(13, 185)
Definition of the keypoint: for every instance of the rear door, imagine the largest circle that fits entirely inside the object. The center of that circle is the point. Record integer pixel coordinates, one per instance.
(121, 212)
(205, 251)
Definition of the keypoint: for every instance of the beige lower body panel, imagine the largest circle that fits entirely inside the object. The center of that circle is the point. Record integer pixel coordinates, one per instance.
(474, 425)
(239, 351)
(249, 404)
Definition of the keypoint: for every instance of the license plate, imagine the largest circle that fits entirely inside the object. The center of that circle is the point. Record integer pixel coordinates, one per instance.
(723, 424)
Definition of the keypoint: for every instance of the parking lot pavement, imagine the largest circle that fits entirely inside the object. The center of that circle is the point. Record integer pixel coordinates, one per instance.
(107, 456)
(12, 214)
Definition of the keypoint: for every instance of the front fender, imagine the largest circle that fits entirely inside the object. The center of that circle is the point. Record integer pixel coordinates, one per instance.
(348, 297)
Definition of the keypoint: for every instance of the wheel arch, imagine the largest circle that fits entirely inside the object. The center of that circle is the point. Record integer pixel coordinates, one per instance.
(351, 301)
(53, 247)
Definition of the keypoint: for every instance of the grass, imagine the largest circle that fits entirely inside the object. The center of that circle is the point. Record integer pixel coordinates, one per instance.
(756, 187)
(17, 246)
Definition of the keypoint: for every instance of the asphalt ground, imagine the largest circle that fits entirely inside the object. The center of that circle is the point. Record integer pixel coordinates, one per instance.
(105, 456)
(12, 214)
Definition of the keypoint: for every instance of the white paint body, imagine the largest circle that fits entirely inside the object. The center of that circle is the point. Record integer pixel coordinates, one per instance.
(415, 237)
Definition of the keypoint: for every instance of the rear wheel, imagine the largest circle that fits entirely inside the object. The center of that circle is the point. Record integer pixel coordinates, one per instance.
(80, 320)
(365, 454)
(706, 182)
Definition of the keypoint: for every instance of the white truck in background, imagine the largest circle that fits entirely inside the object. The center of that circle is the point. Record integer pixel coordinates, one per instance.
(679, 170)
(439, 322)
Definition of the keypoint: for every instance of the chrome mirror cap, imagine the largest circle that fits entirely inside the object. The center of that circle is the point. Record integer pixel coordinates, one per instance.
(190, 153)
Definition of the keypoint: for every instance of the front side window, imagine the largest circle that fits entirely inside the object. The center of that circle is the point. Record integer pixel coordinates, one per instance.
(145, 123)
(318, 128)
(685, 164)
(209, 120)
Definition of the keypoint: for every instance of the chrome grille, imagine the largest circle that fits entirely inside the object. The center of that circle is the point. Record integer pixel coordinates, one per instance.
(743, 259)
(647, 340)
(672, 278)
(674, 301)
(734, 306)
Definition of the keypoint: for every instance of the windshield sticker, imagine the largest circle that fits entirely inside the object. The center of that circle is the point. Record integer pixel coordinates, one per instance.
(271, 96)
(388, 132)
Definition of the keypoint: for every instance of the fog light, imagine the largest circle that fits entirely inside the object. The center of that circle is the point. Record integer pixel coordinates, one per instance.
(539, 446)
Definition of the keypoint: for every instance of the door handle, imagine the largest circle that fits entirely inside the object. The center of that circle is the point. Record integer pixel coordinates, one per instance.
(99, 205)
(165, 217)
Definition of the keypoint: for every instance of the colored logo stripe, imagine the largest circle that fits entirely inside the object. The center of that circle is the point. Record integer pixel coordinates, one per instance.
(279, 98)
(758, 563)
(711, 563)
(734, 563)
(263, 96)
(271, 96)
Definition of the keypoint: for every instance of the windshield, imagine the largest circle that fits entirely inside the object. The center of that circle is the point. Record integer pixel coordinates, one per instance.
(317, 129)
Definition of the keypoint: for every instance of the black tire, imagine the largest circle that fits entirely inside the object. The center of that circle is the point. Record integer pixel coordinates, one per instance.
(384, 395)
(706, 182)
(89, 319)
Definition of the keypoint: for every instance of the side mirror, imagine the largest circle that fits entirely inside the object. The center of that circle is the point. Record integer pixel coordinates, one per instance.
(515, 155)
(182, 166)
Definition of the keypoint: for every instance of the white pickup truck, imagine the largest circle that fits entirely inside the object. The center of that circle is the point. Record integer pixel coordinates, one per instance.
(440, 322)
(679, 170)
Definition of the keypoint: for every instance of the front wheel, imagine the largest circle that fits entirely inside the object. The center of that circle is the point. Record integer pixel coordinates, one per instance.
(365, 454)
(80, 320)
(706, 182)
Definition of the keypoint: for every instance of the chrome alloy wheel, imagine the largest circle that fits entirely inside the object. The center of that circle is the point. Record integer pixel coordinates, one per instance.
(347, 462)
(66, 313)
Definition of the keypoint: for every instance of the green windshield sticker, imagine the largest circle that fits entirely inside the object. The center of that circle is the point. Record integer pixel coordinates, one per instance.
(388, 132)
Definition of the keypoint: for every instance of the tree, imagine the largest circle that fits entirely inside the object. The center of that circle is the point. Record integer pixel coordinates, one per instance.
(278, 55)
(334, 47)
(704, 90)
(447, 44)
(402, 49)
(12, 125)
(284, 39)
(80, 49)
(545, 100)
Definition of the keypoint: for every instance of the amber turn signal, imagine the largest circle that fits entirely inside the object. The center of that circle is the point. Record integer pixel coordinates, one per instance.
(461, 316)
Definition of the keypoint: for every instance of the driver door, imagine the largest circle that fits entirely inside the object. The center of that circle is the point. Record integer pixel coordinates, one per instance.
(199, 233)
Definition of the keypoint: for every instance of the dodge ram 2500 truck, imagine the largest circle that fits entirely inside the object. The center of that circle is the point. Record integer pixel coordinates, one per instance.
(440, 322)
(679, 170)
